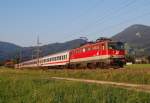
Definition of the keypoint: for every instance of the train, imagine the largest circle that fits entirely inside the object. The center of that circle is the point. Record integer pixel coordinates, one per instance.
(103, 53)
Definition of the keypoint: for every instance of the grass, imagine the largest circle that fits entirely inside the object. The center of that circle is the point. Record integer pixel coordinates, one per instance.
(138, 74)
(138, 66)
(35, 86)
(31, 89)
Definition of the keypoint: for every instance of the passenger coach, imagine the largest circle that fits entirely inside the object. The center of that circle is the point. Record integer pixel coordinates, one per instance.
(58, 59)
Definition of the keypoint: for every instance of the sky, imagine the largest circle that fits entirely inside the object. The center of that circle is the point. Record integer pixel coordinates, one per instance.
(21, 21)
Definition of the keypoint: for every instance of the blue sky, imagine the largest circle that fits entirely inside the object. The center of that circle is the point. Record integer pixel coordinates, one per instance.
(62, 20)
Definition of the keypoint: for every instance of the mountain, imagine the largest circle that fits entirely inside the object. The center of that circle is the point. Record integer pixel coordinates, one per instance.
(137, 38)
(9, 50)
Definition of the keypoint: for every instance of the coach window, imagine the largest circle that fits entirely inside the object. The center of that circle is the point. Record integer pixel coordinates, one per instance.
(56, 58)
(64, 57)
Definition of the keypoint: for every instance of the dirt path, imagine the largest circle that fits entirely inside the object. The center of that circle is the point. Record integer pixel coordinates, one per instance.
(137, 87)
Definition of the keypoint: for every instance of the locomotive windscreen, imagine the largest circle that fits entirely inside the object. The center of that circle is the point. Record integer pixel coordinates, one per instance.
(116, 45)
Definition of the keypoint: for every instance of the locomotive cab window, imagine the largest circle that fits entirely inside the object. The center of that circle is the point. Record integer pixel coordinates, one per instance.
(116, 45)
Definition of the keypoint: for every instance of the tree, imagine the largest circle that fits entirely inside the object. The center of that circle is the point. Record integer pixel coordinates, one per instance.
(148, 58)
(1, 63)
(130, 58)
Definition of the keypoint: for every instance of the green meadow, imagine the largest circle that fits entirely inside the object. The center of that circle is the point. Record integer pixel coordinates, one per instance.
(36, 86)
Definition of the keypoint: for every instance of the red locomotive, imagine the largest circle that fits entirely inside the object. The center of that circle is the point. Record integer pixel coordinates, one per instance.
(103, 53)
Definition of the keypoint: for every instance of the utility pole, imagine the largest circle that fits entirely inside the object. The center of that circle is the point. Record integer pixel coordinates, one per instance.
(20, 56)
(38, 51)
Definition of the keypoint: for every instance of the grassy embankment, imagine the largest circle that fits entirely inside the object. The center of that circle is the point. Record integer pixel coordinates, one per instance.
(31, 86)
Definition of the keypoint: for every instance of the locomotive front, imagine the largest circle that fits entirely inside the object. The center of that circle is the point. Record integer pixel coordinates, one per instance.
(116, 52)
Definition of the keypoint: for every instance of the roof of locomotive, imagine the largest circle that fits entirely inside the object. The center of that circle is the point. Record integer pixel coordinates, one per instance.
(98, 41)
(92, 43)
